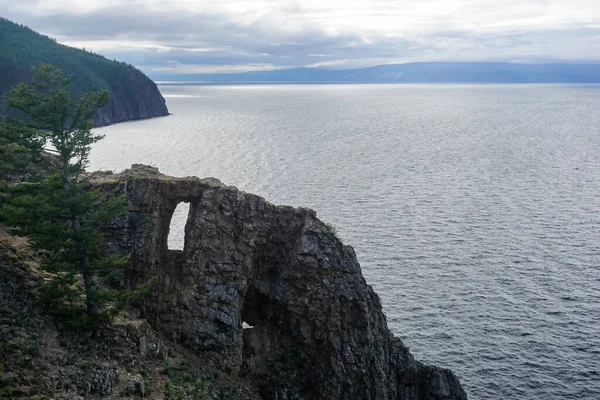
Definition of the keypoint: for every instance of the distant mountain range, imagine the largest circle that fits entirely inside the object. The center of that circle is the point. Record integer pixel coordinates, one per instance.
(427, 72)
(132, 94)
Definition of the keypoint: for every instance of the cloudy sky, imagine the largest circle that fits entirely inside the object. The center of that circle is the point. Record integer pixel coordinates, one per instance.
(195, 36)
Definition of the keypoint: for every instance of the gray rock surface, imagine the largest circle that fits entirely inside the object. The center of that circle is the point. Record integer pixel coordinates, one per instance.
(134, 97)
(317, 329)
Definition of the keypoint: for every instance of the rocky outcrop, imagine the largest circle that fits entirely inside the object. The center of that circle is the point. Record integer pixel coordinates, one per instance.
(314, 328)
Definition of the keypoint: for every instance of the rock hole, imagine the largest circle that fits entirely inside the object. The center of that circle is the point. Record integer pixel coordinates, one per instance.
(258, 333)
(176, 239)
(251, 310)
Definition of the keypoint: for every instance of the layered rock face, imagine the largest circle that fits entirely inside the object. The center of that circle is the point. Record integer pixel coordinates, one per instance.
(314, 328)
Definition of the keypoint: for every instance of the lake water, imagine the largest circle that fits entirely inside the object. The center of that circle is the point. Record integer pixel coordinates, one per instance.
(474, 209)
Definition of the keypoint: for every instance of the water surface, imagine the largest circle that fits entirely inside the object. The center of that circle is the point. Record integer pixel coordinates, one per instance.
(474, 209)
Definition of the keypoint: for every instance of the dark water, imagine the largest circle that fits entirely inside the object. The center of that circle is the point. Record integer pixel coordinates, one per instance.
(474, 210)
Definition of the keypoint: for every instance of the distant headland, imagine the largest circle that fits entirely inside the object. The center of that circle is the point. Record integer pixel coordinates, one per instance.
(133, 95)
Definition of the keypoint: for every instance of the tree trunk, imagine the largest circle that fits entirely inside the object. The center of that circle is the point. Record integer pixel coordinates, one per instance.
(84, 260)
(88, 279)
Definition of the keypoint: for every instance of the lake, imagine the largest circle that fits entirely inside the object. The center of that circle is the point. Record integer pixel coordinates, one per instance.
(474, 209)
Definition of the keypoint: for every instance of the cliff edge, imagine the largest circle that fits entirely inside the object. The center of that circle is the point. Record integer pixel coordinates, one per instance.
(262, 292)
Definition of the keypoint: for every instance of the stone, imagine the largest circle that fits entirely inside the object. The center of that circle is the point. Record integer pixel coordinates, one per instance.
(138, 387)
(102, 379)
(318, 330)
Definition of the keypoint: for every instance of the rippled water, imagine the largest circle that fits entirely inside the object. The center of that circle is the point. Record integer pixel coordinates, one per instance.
(474, 210)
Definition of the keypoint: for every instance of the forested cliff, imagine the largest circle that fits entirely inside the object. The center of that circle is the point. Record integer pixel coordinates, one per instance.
(132, 94)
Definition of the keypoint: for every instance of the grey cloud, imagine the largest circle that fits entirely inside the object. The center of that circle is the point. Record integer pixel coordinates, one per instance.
(231, 43)
(182, 33)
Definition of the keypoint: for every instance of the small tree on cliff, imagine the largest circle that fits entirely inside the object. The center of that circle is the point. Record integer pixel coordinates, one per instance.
(54, 205)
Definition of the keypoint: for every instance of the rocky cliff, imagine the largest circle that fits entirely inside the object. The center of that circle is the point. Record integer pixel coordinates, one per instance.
(133, 95)
(265, 293)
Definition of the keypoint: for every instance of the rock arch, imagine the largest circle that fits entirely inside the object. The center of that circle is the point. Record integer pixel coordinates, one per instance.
(319, 330)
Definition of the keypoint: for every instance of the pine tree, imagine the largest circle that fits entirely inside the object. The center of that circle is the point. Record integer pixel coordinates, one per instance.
(54, 205)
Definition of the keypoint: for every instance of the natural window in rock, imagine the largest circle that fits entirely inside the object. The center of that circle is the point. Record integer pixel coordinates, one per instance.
(245, 325)
(176, 238)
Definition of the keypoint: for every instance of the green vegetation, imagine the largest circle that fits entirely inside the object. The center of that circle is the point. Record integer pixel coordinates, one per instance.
(331, 230)
(185, 382)
(20, 46)
(21, 49)
(55, 206)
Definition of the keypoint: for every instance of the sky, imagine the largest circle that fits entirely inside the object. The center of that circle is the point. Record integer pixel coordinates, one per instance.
(187, 36)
